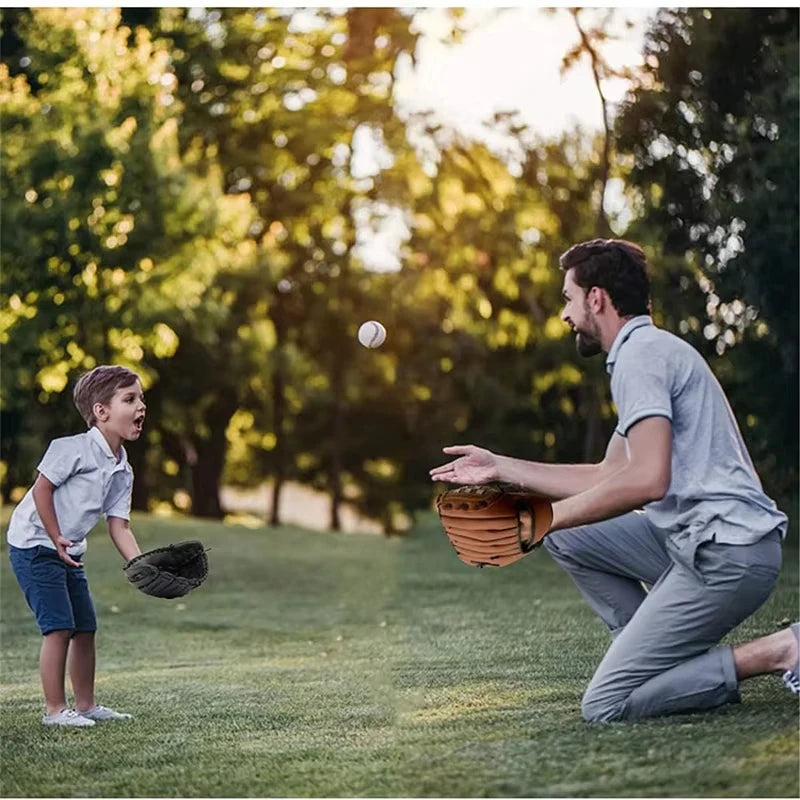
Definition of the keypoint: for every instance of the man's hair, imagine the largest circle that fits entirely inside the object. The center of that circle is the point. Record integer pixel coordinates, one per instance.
(98, 386)
(616, 265)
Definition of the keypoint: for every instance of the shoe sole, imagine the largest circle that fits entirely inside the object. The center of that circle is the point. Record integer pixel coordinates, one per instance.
(63, 725)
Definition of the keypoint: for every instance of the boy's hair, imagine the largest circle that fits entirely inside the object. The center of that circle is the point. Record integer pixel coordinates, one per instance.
(616, 265)
(98, 386)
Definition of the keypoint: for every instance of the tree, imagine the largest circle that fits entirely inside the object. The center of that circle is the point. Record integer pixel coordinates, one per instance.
(101, 217)
(279, 98)
(714, 143)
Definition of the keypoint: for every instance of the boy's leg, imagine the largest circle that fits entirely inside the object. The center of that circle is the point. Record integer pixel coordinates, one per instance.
(82, 646)
(42, 576)
(52, 662)
(82, 669)
(82, 652)
(609, 560)
(662, 662)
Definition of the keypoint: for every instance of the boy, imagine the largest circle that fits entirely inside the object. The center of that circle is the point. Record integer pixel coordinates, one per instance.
(80, 478)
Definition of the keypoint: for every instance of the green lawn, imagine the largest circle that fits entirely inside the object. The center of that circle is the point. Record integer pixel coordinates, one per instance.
(328, 665)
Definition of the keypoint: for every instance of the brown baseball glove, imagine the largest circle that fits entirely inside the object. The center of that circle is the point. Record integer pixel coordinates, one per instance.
(493, 525)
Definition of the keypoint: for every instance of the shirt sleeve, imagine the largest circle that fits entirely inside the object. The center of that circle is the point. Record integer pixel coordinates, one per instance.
(62, 460)
(118, 500)
(640, 389)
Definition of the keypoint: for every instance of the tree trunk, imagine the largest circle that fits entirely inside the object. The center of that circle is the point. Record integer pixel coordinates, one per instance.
(337, 431)
(206, 472)
(592, 432)
(278, 410)
(137, 456)
(592, 406)
(274, 514)
(601, 226)
(11, 425)
(387, 520)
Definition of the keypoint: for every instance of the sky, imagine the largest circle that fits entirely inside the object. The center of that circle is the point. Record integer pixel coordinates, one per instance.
(510, 60)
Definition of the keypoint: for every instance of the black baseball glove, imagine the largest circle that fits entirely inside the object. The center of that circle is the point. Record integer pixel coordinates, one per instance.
(170, 571)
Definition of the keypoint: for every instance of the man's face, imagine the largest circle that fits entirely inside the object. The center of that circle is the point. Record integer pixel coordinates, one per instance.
(580, 318)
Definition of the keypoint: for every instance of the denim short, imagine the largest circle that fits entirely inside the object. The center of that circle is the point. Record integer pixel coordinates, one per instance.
(57, 594)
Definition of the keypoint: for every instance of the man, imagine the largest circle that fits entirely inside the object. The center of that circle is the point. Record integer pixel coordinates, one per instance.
(675, 504)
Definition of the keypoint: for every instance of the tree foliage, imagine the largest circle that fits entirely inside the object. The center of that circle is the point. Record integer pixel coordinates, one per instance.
(714, 141)
(192, 192)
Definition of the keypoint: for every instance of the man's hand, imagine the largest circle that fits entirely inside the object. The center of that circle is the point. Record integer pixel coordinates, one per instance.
(474, 466)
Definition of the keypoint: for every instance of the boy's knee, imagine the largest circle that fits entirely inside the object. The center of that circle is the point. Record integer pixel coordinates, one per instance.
(61, 633)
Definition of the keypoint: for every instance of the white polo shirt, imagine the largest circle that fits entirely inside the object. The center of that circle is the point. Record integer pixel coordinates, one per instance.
(89, 482)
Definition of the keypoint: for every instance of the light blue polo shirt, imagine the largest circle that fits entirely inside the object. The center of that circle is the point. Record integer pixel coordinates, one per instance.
(714, 489)
(89, 482)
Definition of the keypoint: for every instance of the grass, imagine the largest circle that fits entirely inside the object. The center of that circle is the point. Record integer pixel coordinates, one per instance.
(331, 665)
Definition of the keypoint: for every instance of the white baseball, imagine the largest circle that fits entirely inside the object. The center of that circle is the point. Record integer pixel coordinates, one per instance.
(372, 334)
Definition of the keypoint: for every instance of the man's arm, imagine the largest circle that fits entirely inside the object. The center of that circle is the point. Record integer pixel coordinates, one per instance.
(42, 492)
(477, 465)
(557, 481)
(645, 477)
(121, 534)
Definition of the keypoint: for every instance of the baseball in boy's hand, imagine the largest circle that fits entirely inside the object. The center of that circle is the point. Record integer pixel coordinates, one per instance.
(372, 334)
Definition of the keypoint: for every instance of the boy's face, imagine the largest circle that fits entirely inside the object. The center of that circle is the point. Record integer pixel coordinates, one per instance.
(124, 415)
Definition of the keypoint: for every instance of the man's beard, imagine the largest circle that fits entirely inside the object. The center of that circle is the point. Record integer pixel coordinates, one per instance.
(587, 345)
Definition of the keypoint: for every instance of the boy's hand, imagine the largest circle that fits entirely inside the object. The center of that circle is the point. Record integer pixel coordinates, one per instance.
(43, 490)
(61, 548)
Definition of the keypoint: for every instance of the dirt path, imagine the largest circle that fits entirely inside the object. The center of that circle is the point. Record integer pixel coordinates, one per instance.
(299, 505)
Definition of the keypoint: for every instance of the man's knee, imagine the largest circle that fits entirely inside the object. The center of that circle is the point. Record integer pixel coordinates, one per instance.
(562, 546)
(602, 706)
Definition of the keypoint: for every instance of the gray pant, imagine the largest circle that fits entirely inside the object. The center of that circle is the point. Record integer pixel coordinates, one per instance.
(660, 660)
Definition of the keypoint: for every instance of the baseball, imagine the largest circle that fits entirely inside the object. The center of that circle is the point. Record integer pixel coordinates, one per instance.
(372, 334)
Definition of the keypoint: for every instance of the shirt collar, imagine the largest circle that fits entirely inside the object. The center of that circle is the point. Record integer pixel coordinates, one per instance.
(96, 435)
(623, 335)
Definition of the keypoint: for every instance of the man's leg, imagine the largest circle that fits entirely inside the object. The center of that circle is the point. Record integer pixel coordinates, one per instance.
(778, 652)
(608, 561)
(662, 662)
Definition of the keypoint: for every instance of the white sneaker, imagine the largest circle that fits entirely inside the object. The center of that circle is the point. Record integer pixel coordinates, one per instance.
(67, 718)
(103, 714)
(791, 680)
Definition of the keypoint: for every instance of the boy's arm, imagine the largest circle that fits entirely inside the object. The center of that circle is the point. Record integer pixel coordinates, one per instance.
(121, 534)
(45, 507)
